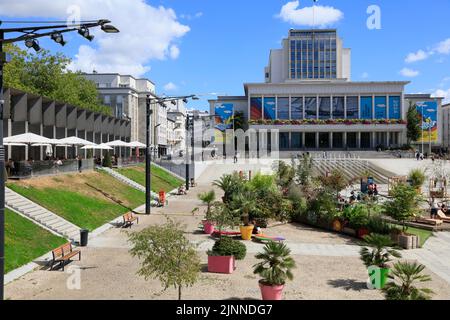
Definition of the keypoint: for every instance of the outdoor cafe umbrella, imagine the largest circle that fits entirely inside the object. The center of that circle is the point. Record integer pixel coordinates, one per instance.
(75, 141)
(28, 139)
(97, 147)
(138, 145)
(118, 143)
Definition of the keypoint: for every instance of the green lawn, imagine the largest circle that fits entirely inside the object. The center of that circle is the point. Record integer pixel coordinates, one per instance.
(74, 200)
(161, 179)
(25, 241)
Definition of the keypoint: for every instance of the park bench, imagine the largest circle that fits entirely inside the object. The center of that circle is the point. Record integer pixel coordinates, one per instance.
(64, 254)
(128, 220)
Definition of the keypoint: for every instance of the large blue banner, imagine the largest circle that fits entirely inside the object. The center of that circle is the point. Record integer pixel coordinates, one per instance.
(269, 109)
(366, 108)
(380, 108)
(223, 120)
(395, 108)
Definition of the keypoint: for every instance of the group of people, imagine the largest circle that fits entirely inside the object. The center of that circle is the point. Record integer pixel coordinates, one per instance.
(436, 207)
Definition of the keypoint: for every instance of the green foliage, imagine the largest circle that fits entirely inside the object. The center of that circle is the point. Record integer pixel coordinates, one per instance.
(228, 247)
(404, 204)
(276, 265)
(417, 178)
(381, 253)
(240, 121)
(303, 170)
(223, 216)
(413, 123)
(377, 225)
(46, 74)
(408, 274)
(107, 163)
(230, 184)
(284, 174)
(167, 255)
(335, 181)
(246, 206)
(356, 215)
(323, 205)
(208, 199)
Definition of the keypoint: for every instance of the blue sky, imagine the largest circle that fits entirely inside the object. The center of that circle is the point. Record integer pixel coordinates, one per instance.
(216, 46)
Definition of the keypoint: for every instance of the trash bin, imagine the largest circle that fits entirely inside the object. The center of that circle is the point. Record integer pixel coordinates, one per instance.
(84, 234)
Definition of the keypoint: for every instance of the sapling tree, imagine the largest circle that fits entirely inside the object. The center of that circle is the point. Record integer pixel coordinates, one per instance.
(165, 254)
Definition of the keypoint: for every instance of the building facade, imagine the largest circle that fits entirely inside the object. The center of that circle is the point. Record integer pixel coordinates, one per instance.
(177, 113)
(309, 99)
(446, 126)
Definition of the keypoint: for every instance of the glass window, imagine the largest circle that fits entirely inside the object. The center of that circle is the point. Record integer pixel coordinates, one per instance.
(366, 107)
(107, 100)
(352, 107)
(338, 140)
(338, 108)
(297, 108)
(324, 140)
(269, 108)
(311, 108)
(394, 108)
(296, 140)
(283, 108)
(351, 140)
(310, 140)
(284, 140)
(324, 108)
(380, 108)
(255, 108)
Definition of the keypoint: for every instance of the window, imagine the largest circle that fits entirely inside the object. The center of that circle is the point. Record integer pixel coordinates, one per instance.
(324, 108)
(283, 108)
(352, 107)
(296, 140)
(351, 140)
(380, 108)
(297, 108)
(107, 100)
(338, 108)
(311, 108)
(338, 140)
(394, 108)
(366, 107)
(284, 140)
(269, 108)
(256, 108)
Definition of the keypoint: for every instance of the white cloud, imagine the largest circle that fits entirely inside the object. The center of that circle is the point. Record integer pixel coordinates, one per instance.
(410, 73)
(191, 17)
(147, 32)
(442, 94)
(309, 16)
(199, 14)
(170, 87)
(416, 56)
(443, 47)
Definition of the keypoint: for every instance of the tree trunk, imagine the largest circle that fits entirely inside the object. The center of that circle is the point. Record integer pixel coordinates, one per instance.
(179, 293)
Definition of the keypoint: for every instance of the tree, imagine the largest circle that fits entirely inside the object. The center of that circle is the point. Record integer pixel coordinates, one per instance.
(413, 123)
(239, 121)
(404, 204)
(47, 74)
(334, 182)
(408, 274)
(166, 255)
(208, 198)
(107, 161)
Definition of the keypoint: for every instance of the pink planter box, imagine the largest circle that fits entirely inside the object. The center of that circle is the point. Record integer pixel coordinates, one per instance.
(208, 228)
(271, 292)
(219, 264)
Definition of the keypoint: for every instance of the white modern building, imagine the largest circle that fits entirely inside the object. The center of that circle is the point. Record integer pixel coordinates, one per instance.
(446, 126)
(309, 100)
(177, 113)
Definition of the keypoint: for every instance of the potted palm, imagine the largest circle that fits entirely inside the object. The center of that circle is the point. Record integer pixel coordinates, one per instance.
(417, 179)
(407, 274)
(376, 258)
(243, 205)
(208, 199)
(274, 269)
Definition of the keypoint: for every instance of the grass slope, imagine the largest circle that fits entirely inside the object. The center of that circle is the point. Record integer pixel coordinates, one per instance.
(161, 179)
(25, 241)
(70, 197)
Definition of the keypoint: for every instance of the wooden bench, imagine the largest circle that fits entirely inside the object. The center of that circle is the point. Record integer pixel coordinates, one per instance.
(128, 220)
(429, 221)
(64, 254)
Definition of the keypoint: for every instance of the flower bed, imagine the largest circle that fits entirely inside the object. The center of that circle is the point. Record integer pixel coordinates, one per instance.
(347, 122)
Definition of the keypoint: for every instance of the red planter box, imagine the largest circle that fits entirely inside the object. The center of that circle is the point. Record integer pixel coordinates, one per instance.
(220, 264)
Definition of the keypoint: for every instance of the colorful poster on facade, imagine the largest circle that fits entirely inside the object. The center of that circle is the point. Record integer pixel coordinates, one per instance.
(256, 108)
(223, 120)
(394, 107)
(428, 112)
(380, 108)
(366, 108)
(269, 108)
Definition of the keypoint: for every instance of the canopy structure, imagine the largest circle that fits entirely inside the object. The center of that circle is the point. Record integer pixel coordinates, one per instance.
(97, 147)
(13, 144)
(136, 144)
(75, 141)
(118, 143)
(28, 139)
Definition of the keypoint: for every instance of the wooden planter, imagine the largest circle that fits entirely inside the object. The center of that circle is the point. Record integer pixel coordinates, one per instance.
(349, 231)
(408, 242)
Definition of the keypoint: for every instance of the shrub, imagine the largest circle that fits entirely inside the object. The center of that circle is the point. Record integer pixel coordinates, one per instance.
(378, 225)
(417, 178)
(357, 216)
(228, 247)
(381, 252)
(107, 161)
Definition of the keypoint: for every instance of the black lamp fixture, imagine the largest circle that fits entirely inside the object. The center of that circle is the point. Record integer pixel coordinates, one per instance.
(58, 38)
(84, 32)
(33, 43)
(109, 28)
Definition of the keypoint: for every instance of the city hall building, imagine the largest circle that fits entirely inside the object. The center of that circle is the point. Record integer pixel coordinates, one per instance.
(309, 98)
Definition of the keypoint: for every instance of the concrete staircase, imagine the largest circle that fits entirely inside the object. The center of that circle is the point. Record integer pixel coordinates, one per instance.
(352, 169)
(42, 216)
(129, 182)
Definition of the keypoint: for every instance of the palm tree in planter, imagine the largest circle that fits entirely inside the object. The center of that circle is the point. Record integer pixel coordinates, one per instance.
(243, 205)
(208, 199)
(376, 258)
(408, 274)
(417, 178)
(275, 269)
(230, 184)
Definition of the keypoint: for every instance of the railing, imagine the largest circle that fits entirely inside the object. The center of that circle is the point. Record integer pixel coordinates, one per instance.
(131, 161)
(27, 169)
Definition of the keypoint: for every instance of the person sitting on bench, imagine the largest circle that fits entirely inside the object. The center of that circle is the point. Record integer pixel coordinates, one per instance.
(182, 190)
(193, 184)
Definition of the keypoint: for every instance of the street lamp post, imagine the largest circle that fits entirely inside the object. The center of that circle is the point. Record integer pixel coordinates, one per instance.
(30, 35)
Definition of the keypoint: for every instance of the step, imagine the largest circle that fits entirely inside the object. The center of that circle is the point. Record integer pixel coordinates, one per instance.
(16, 199)
(26, 206)
(33, 211)
(57, 224)
(44, 217)
(66, 227)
